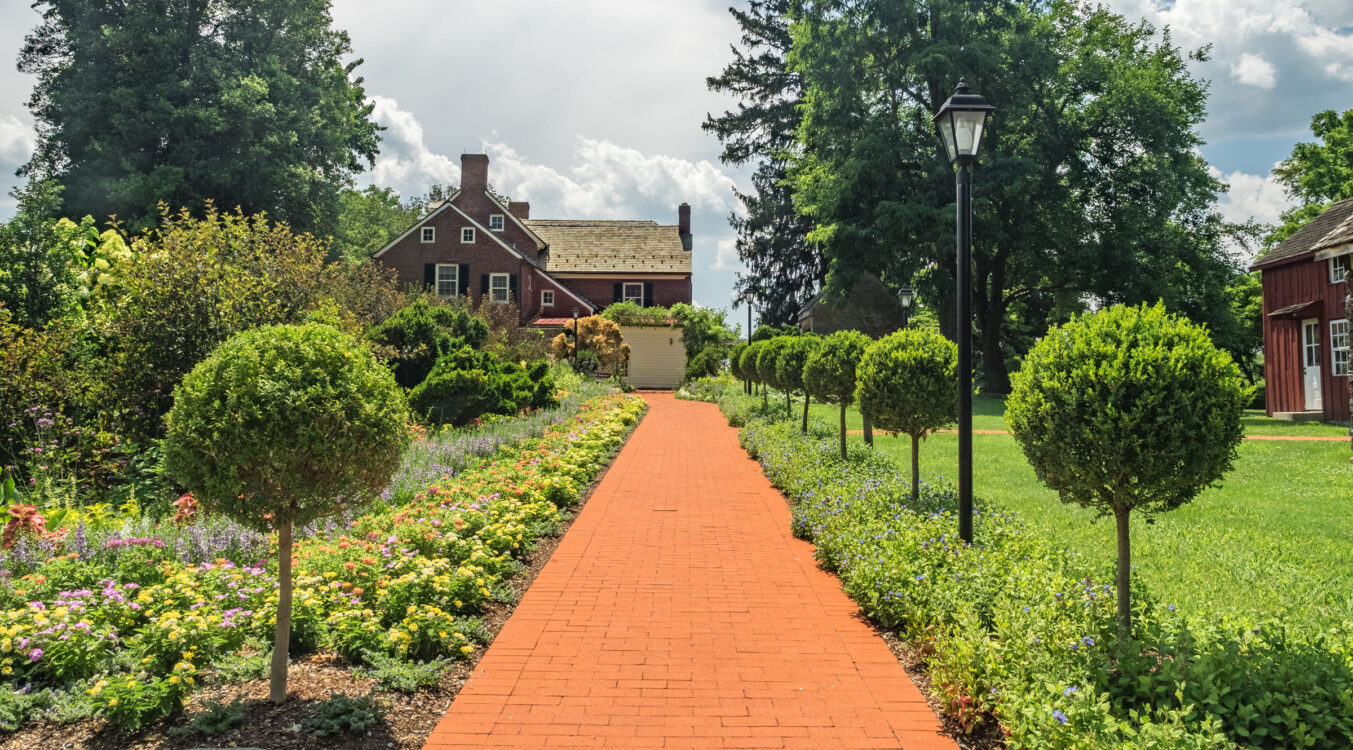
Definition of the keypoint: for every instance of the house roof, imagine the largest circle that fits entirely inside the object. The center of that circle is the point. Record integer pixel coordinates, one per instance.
(1321, 232)
(611, 246)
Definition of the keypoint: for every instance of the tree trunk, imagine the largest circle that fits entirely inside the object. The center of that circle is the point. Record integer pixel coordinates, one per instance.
(843, 431)
(765, 397)
(868, 427)
(806, 402)
(1120, 514)
(789, 405)
(915, 469)
(995, 375)
(277, 689)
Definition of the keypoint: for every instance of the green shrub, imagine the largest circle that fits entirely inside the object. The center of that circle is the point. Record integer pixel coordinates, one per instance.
(767, 360)
(466, 384)
(735, 361)
(344, 715)
(216, 717)
(419, 333)
(907, 382)
(708, 363)
(1129, 408)
(789, 366)
(401, 675)
(585, 363)
(829, 372)
(282, 426)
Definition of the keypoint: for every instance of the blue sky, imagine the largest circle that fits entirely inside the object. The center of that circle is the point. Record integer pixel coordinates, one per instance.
(593, 110)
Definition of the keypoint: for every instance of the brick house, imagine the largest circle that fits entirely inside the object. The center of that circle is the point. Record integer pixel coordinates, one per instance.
(474, 245)
(1306, 329)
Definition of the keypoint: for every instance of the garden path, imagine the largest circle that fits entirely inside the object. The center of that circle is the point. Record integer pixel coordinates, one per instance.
(678, 611)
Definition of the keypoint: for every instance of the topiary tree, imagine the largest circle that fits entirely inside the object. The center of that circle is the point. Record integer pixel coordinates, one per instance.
(748, 364)
(735, 364)
(829, 372)
(766, 358)
(907, 382)
(789, 368)
(281, 426)
(421, 332)
(1128, 409)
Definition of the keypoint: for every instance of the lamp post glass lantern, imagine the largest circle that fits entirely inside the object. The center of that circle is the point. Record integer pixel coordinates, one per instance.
(906, 295)
(962, 122)
(575, 337)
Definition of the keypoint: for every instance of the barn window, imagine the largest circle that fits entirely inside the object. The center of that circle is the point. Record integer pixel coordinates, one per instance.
(1338, 266)
(547, 298)
(429, 234)
(633, 293)
(467, 235)
(496, 222)
(499, 287)
(1339, 347)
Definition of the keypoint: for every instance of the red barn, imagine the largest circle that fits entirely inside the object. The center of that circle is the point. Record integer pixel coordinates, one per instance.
(1306, 335)
(474, 245)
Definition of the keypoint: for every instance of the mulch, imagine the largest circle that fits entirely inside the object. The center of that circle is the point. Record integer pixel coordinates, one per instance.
(408, 719)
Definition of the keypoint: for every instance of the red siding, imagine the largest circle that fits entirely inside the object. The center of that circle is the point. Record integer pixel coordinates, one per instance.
(1303, 280)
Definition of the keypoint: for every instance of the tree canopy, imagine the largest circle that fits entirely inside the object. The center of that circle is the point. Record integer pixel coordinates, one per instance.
(250, 103)
(1317, 174)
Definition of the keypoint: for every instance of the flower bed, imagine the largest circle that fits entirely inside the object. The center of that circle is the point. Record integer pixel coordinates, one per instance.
(130, 624)
(1018, 632)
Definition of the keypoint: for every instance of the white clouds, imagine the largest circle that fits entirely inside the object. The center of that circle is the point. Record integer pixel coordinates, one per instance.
(405, 159)
(17, 141)
(1255, 197)
(726, 255)
(1253, 70)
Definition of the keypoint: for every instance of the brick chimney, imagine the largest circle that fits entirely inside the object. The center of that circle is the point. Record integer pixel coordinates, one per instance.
(520, 209)
(474, 173)
(684, 224)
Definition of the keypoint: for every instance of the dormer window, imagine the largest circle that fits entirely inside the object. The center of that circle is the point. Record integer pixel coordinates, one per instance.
(429, 234)
(496, 222)
(466, 235)
(1338, 266)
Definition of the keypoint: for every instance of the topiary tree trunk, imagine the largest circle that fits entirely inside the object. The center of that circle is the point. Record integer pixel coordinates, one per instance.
(1121, 513)
(867, 426)
(915, 468)
(806, 402)
(277, 685)
(843, 431)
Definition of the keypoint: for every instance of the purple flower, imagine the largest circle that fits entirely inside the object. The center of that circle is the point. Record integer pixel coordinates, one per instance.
(35, 654)
(1059, 716)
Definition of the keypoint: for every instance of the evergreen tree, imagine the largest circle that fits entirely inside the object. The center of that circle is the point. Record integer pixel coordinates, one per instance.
(783, 269)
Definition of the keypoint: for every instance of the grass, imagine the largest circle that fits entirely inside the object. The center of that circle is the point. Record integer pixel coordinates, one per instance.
(1272, 540)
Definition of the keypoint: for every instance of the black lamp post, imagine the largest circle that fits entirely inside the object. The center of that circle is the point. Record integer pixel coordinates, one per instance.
(575, 336)
(960, 121)
(905, 295)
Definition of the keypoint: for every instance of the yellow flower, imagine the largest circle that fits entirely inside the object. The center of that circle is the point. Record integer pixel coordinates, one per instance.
(174, 680)
(112, 701)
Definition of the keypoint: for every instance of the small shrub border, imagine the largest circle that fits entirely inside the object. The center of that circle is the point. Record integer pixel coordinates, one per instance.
(1017, 631)
(403, 581)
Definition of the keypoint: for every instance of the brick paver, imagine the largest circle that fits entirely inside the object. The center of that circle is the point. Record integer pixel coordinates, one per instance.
(679, 612)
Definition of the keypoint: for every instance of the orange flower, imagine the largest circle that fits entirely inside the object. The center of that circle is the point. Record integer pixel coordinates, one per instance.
(349, 565)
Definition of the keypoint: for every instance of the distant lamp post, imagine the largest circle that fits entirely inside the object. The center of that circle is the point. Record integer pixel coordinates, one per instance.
(576, 341)
(905, 295)
(961, 121)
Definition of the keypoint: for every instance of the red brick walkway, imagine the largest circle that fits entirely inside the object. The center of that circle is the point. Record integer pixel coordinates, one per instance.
(679, 612)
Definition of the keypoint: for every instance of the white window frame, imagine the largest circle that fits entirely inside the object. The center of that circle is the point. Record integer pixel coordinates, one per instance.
(438, 280)
(506, 288)
(625, 295)
(467, 235)
(497, 222)
(428, 235)
(547, 298)
(1338, 264)
(1339, 348)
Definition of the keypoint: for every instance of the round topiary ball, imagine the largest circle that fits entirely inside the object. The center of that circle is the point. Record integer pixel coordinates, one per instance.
(286, 424)
(908, 382)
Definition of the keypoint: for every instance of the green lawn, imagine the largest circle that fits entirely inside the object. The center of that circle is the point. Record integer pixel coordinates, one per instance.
(1276, 538)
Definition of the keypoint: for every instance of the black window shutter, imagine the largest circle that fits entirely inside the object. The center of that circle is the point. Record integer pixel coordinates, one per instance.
(429, 274)
(619, 292)
(463, 276)
(512, 286)
(483, 283)
(648, 294)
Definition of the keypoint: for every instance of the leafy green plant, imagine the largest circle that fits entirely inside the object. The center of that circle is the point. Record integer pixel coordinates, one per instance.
(401, 675)
(423, 331)
(907, 382)
(767, 359)
(1130, 408)
(282, 426)
(789, 366)
(343, 714)
(829, 372)
(466, 384)
(216, 717)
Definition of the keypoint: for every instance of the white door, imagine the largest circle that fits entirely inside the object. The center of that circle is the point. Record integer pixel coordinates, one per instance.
(1310, 357)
